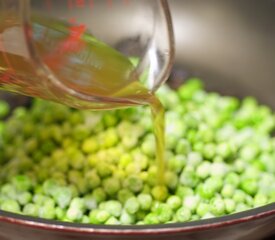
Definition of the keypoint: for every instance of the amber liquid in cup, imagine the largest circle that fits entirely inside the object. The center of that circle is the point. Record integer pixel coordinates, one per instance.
(83, 64)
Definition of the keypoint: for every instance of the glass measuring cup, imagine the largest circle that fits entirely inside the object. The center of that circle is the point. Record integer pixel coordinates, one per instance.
(77, 51)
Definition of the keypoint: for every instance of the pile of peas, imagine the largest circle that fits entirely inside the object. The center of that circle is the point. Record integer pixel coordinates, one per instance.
(99, 167)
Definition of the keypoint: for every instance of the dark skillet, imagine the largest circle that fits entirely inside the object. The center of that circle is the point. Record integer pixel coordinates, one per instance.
(254, 224)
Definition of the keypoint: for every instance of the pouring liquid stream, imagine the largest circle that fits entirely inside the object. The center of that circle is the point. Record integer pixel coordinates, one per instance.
(84, 64)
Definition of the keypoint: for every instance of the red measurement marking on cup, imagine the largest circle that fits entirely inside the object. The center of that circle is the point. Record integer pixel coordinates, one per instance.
(72, 44)
(48, 4)
(80, 3)
(110, 3)
(91, 3)
(5, 78)
(70, 4)
(76, 31)
(8, 77)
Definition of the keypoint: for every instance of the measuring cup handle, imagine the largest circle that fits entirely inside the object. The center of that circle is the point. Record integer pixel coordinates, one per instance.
(160, 53)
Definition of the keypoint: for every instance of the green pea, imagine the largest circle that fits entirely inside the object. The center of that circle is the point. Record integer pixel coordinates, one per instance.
(10, 206)
(183, 214)
(250, 186)
(113, 207)
(132, 205)
(160, 193)
(98, 216)
(217, 207)
(174, 202)
(164, 213)
(111, 185)
(203, 209)
(145, 201)
(151, 218)
(230, 205)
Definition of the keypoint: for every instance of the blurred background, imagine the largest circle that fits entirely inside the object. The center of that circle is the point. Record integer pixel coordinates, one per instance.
(230, 44)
